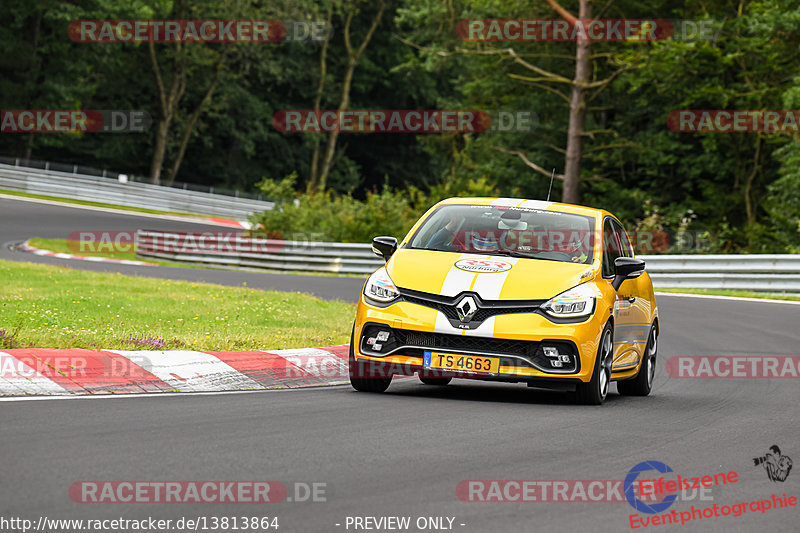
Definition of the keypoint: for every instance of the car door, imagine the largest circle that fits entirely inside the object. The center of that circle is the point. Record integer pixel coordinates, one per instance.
(612, 249)
(632, 308)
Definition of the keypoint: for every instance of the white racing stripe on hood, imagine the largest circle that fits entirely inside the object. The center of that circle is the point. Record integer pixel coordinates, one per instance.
(488, 285)
(457, 280)
(443, 325)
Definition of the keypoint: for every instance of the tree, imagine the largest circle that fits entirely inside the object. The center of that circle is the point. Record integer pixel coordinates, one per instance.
(185, 58)
(353, 55)
(577, 105)
(545, 73)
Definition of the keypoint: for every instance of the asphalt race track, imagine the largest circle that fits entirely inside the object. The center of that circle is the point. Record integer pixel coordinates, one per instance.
(404, 452)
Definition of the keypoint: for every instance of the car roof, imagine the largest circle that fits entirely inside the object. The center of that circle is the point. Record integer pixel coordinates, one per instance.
(531, 204)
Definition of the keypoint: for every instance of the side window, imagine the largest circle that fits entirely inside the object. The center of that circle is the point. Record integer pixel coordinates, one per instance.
(611, 248)
(626, 248)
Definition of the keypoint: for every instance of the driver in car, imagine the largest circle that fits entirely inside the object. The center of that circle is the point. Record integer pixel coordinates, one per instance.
(569, 241)
(443, 238)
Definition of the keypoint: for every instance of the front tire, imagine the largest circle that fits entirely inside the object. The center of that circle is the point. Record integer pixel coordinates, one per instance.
(595, 392)
(364, 377)
(642, 384)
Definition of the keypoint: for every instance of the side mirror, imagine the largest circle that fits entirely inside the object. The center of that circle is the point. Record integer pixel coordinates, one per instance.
(626, 268)
(384, 246)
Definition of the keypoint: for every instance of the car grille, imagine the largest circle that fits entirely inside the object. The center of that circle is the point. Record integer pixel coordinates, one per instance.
(486, 308)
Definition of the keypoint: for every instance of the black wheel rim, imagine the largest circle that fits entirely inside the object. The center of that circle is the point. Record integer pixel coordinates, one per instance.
(652, 348)
(606, 348)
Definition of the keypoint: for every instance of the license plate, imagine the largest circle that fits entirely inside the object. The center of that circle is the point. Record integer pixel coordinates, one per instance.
(462, 363)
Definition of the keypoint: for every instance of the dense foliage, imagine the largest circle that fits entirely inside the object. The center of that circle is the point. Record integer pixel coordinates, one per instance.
(740, 190)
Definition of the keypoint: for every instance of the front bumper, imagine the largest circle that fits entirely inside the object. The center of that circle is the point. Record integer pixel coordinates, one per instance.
(516, 339)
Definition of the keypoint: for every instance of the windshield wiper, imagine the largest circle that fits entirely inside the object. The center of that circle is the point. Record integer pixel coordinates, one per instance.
(522, 255)
(510, 253)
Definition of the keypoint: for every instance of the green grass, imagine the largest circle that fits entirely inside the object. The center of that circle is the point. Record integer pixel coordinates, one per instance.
(98, 204)
(729, 292)
(44, 306)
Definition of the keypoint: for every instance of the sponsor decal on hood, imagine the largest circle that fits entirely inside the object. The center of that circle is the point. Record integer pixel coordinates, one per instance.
(483, 265)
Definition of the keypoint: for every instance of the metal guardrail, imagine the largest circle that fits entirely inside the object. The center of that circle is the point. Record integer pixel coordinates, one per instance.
(760, 273)
(764, 273)
(130, 194)
(68, 168)
(232, 249)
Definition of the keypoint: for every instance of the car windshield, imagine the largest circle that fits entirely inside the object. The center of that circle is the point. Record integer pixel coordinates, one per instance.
(512, 231)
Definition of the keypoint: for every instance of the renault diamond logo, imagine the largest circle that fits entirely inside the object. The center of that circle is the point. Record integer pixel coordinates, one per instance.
(466, 308)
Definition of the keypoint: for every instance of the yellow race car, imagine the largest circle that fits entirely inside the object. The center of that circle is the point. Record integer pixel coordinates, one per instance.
(511, 290)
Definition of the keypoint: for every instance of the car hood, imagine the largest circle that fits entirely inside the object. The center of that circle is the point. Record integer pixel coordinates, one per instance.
(435, 272)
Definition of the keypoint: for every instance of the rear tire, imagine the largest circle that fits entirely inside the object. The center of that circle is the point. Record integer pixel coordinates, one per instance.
(364, 377)
(595, 392)
(642, 384)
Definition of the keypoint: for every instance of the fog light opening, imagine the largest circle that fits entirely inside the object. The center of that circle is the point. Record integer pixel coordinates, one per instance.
(377, 342)
(556, 358)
